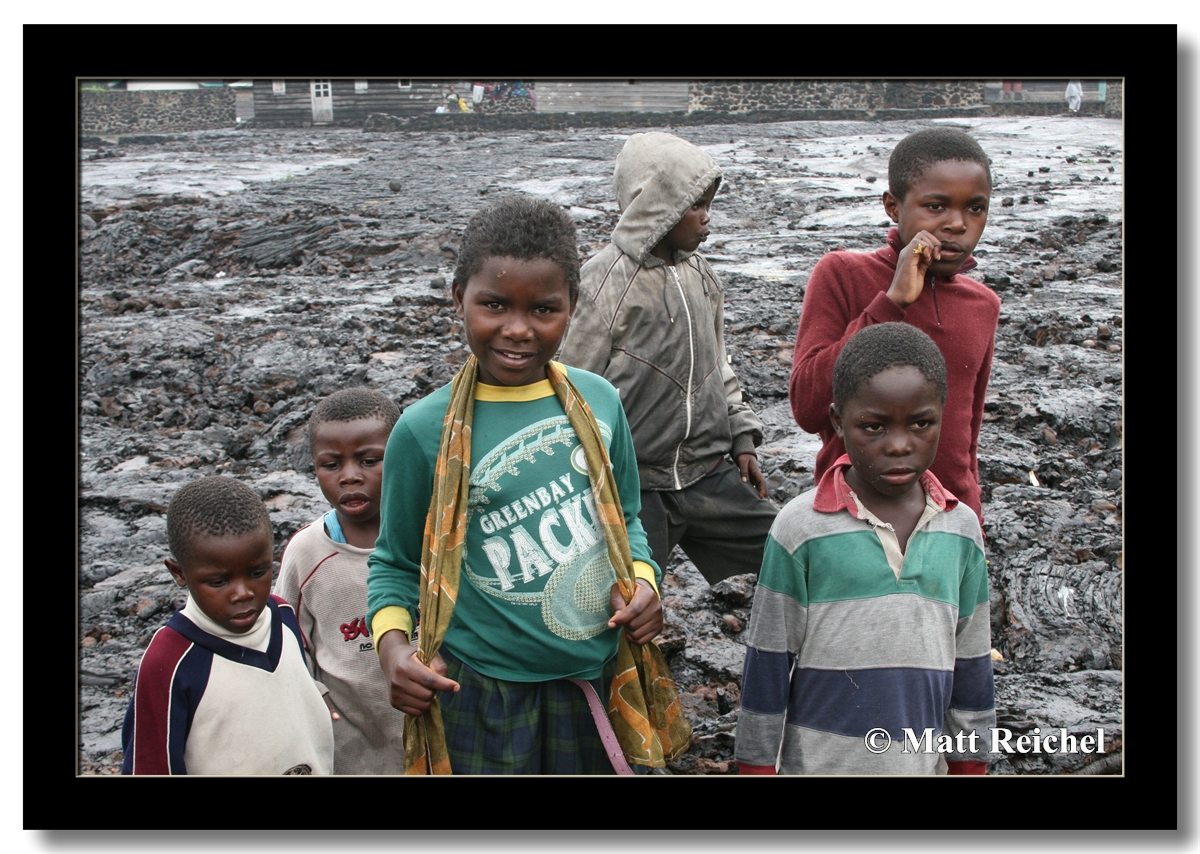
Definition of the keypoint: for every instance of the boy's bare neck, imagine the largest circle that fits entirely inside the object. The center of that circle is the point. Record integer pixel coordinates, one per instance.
(902, 512)
(360, 536)
(664, 253)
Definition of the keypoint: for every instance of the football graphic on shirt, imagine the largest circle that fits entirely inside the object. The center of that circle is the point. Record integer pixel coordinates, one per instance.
(545, 548)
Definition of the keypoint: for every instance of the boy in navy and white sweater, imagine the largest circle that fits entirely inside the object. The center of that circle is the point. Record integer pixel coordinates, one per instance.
(223, 687)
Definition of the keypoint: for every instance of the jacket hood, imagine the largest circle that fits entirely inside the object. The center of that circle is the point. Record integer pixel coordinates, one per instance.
(658, 176)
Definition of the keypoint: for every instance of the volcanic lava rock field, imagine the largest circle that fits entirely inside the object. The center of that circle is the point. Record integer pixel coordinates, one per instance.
(230, 279)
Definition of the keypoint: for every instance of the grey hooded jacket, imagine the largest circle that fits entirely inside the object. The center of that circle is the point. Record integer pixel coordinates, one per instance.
(658, 335)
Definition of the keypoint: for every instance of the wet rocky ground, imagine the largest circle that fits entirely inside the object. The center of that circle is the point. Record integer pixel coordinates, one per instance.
(229, 280)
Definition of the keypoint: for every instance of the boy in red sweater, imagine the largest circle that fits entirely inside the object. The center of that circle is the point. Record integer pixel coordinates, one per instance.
(939, 186)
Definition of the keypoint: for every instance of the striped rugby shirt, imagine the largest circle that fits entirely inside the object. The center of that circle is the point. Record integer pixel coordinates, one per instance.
(847, 635)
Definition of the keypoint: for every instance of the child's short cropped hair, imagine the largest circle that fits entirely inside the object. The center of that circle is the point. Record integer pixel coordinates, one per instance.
(215, 506)
(914, 154)
(353, 404)
(522, 228)
(880, 346)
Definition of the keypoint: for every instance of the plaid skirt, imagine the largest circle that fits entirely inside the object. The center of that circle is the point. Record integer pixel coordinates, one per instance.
(498, 727)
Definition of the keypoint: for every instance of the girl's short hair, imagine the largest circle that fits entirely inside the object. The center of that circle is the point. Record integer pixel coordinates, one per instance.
(523, 228)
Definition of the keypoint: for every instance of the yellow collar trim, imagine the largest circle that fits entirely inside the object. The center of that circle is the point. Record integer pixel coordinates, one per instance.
(514, 393)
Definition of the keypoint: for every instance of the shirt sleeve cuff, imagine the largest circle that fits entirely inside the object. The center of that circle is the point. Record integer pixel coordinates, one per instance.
(389, 618)
(766, 770)
(883, 310)
(641, 569)
(966, 767)
(743, 444)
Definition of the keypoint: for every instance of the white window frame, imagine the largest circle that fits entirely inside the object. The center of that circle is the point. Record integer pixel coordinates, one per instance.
(405, 84)
(278, 87)
(360, 85)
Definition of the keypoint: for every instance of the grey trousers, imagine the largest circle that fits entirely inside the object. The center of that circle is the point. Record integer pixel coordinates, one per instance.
(720, 523)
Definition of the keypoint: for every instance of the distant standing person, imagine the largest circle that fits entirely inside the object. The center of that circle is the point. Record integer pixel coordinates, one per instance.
(1074, 95)
(939, 188)
(651, 320)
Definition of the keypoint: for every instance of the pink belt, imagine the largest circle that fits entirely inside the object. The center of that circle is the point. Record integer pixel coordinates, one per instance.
(615, 754)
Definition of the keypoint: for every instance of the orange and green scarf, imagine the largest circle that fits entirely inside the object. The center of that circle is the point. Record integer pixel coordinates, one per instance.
(643, 706)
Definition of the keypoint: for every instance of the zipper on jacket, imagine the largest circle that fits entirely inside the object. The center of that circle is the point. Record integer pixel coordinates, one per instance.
(933, 292)
(691, 377)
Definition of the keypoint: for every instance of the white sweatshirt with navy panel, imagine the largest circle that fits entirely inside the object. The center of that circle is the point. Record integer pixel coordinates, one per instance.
(211, 701)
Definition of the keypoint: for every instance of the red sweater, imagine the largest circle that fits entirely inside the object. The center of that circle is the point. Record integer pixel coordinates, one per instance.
(847, 291)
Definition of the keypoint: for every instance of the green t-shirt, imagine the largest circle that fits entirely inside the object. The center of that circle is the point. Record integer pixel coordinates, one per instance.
(533, 601)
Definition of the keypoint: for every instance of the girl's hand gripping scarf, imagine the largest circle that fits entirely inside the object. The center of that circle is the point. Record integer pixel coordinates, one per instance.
(644, 706)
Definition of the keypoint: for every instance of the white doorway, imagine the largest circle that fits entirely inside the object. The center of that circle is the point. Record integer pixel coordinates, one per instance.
(322, 102)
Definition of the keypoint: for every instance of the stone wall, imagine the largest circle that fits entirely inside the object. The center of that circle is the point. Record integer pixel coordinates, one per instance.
(156, 110)
(924, 94)
(872, 98)
(741, 96)
(736, 96)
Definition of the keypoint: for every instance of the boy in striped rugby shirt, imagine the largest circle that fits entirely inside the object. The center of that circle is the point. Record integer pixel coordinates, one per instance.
(869, 648)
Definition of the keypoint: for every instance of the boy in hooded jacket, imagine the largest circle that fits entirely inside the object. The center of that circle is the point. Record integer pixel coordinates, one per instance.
(651, 320)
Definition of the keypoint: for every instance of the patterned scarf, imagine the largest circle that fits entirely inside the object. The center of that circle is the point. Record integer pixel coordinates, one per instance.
(441, 558)
(644, 706)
